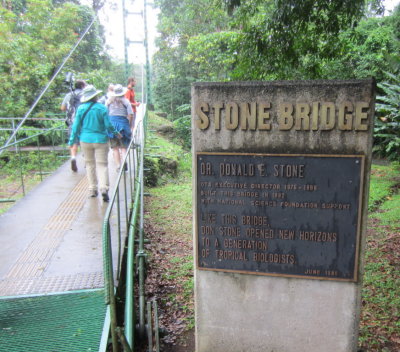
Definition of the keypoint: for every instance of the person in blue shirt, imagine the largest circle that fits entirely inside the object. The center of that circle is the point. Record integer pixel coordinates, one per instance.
(92, 126)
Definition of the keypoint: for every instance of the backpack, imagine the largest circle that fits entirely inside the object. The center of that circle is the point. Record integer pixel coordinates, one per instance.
(74, 102)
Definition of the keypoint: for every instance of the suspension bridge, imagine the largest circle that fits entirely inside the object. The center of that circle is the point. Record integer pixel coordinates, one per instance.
(68, 258)
(72, 274)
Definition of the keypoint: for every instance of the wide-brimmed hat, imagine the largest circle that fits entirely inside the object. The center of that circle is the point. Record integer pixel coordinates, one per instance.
(119, 91)
(88, 93)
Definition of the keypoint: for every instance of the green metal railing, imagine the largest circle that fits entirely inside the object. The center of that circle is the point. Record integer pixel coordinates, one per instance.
(123, 224)
(124, 215)
(123, 220)
(16, 152)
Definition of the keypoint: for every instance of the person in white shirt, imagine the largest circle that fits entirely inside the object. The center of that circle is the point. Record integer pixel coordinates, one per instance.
(121, 115)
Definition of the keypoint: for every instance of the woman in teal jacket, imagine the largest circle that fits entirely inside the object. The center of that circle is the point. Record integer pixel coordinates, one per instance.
(91, 125)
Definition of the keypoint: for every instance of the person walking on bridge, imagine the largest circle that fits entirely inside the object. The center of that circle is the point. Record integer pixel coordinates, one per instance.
(92, 125)
(70, 104)
(104, 99)
(130, 95)
(121, 115)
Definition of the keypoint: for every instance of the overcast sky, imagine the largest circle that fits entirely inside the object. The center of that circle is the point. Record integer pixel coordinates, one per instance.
(390, 4)
(112, 19)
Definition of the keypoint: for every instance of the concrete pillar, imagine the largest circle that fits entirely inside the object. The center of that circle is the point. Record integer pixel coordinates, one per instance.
(280, 190)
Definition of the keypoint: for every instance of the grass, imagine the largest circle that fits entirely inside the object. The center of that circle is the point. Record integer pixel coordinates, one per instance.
(169, 210)
(158, 146)
(390, 212)
(383, 178)
(155, 121)
(380, 315)
(182, 272)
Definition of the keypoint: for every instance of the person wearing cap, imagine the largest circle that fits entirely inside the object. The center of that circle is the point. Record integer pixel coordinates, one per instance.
(92, 125)
(121, 114)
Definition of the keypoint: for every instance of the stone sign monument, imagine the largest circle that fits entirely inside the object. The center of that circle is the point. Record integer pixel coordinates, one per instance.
(281, 177)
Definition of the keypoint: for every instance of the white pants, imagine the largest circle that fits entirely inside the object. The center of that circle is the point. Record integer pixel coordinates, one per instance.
(96, 159)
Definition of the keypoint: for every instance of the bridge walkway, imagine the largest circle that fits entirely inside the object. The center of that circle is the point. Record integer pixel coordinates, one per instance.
(51, 272)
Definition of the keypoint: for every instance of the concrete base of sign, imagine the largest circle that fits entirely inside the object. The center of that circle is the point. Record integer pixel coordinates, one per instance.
(248, 313)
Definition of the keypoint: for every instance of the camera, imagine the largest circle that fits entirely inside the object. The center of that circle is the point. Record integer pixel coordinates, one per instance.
(69, 78)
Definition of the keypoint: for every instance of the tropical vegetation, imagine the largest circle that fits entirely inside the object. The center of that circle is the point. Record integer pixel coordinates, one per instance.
(226, 40)
(35, 38)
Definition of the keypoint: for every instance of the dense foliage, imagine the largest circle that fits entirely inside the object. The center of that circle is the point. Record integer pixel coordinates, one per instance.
(35, 38)
(387, 125)
(32, 45)
(225, 40)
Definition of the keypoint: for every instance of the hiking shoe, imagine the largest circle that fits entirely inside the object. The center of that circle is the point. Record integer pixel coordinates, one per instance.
(74, 168)
(93, 194)
(105, 196)
(125, 167)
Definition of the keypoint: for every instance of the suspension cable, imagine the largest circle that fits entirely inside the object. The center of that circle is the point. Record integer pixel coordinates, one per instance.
(48, 85)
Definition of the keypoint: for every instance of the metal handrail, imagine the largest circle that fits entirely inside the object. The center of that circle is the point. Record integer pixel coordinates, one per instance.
(43, 132)
(17, 148)
(126, 209)
(6, 118)
(9, 125)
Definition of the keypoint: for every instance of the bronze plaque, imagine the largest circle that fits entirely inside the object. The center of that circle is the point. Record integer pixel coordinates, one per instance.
(282, 215)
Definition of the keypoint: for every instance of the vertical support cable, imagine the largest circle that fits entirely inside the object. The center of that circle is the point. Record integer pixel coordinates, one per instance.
(126, 196)
(21, 171)
(149, 327)
(40, 159)
(131, 173)
(124, 14)
(144, 98)
(54, 147)
(156, 326)
(148, 75)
